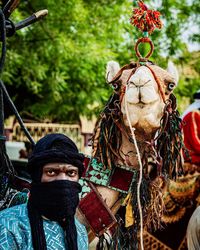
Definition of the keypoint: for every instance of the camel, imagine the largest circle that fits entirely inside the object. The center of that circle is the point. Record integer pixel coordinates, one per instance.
(129, 133)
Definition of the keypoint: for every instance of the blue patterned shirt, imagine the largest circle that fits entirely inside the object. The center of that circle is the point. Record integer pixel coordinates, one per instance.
(15, 231)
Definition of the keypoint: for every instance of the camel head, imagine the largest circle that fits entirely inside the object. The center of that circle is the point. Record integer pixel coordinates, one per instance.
(143, 92)
(143, 99)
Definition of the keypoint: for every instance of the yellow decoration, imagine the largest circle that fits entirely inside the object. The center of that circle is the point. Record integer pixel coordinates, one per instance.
(129, 220)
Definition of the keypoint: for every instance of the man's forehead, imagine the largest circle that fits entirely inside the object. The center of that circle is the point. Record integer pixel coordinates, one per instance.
(60, 165)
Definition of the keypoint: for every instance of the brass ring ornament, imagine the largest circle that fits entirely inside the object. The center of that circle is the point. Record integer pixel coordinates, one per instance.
(144, 40)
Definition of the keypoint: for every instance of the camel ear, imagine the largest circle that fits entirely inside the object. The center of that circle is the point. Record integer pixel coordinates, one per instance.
(111, 70)
(171, 68)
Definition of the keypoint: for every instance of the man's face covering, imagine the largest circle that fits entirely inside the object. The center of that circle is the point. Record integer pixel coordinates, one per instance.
(56, 200)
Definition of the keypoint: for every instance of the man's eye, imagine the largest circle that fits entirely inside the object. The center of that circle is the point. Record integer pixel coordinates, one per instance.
(72, 173)
(51, 172)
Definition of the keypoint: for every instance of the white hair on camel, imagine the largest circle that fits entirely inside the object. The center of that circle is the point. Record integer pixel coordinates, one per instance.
(111, 70)
(171, 68)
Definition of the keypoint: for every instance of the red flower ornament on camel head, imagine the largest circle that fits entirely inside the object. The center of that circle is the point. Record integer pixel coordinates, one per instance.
(147, 21)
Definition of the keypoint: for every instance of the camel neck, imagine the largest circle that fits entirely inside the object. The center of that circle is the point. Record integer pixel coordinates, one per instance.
(128, 150)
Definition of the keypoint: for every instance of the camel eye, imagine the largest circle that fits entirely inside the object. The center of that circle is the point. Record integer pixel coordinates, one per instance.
(115, 86)
(171, 86)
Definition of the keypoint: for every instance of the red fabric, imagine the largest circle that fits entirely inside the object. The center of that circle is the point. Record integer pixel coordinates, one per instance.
(121, 179)
(191, 130)
(96, 213)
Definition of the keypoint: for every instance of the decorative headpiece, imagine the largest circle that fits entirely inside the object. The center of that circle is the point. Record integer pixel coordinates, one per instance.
(147, 21)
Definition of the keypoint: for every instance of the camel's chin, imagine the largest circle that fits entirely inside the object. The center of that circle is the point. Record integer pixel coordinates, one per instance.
(144, 125)
(141, 105)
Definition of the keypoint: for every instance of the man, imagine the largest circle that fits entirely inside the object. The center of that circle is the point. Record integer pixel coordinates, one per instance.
(191, 130)
(193, 106)
(47, 221)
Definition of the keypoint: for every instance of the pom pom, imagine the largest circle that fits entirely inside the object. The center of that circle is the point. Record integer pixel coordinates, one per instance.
(144, 19)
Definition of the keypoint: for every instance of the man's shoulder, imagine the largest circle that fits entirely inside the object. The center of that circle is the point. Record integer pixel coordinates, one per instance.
(82, 235)
(80, 227)
(14, 213)
(191, 113)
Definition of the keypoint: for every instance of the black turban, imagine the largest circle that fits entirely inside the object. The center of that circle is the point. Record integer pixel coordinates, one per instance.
(54, 148)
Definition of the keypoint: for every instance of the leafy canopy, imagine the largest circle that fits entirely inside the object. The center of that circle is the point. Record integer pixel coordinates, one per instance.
(55, 68)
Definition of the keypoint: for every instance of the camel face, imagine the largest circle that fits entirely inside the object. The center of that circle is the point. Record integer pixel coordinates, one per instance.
(142, 88)
(145, 94)
(143, 101)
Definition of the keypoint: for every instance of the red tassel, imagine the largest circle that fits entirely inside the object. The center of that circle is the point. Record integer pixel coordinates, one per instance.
(144, 19)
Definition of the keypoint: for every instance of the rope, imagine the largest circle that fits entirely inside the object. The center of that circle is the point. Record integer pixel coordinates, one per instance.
(158, 83)
(2, 86)
(1, 116)
(141, 168)
(14, 109)
(3, 40)
(2, 60)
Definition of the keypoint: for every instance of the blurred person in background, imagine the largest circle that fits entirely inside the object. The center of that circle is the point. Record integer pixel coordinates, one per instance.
(191, 130)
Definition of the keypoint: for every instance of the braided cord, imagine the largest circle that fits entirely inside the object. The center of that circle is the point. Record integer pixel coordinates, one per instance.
(140, 175)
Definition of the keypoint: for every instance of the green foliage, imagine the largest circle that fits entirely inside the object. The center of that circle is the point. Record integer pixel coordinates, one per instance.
(189, 83)
(55, 68)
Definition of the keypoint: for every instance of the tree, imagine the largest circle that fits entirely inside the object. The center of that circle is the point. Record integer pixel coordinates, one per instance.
(55, 68)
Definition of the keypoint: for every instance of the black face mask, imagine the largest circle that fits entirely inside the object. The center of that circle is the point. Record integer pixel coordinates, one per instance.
(56, 200)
